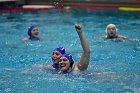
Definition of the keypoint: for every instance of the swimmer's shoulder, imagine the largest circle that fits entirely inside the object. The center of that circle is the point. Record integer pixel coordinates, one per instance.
(75, 69)
(122, 37)
(76, 72)
(104, 37)
(25, 39)
(44, 66)
(48, 67)
(129, 39)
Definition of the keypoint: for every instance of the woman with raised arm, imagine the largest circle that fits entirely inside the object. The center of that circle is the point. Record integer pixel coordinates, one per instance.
(66, 61)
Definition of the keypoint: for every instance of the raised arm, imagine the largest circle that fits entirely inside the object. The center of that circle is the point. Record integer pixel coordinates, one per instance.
(83, 63)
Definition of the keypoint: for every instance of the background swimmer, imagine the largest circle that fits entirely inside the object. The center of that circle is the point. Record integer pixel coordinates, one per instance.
(111, 31)
(33, 33)
(66, 61)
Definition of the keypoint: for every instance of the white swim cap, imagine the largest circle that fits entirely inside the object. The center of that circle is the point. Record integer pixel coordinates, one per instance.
(110, 25)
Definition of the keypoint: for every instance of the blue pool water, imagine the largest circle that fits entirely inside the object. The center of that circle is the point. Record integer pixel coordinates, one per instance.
(114, 66)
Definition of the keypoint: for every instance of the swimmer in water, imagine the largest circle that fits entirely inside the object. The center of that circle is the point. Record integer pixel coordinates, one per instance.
(56, 55)
(66, 61)
(33, 33)
(111, 31)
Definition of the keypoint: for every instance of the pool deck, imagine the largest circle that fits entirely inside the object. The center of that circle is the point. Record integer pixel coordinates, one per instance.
(118, 3)
(123, 5)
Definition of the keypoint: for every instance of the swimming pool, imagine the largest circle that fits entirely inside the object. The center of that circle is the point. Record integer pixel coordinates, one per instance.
(114, 66)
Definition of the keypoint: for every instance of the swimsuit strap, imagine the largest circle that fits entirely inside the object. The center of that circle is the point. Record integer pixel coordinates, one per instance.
(112, 37)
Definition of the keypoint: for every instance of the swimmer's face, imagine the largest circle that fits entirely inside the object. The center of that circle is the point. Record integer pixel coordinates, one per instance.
(111, 31)
(35, 32)
(64, 64)
(56, 57)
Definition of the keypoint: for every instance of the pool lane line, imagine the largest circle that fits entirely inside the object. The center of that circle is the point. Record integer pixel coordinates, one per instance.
(129, 9)
(109, 8)
(29, 9)
(97, 7)
(74, 7)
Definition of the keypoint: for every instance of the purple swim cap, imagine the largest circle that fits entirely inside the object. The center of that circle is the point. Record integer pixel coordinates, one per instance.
(30, 29)
(61, 50)
(69, 57)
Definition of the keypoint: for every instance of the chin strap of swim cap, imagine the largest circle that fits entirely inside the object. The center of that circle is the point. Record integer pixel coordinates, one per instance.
(30, 30)
(112, 25)
(69, 57)
(61, 50)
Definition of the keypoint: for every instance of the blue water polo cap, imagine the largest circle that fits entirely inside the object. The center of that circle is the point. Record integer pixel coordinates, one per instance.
(30, 29)
(69, 57)
(60, 49)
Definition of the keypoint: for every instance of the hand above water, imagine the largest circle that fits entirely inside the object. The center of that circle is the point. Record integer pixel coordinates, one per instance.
(78, 28)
